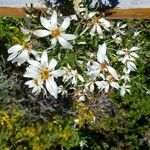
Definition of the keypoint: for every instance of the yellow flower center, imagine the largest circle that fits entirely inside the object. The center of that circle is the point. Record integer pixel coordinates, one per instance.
(95, 20)
(44, 74)
(55, 32)
(109, 79)
(103, 66)
(28, 46)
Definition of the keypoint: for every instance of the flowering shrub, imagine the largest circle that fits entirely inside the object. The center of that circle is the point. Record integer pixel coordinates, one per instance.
(97, 72)
(79, 81)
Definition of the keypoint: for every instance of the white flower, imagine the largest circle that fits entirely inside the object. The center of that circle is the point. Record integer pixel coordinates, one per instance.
(21, 53)
(119, 28)
(103, 63)
(116, 39)
(36, 84)
(83, 144)
(136, 33)
(45, 72)
(56, 31)
(71, 75)
(128, 54)
(106, 84)
(124, 88)
(126, 77)
(96, 23)
(90, 85)
(62, 90)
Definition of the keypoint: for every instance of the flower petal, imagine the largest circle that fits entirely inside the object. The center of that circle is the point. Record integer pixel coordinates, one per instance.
(41, 33)
(44, 58)
(68, 36)
(45, 23)
(52, 87)
(101, 54)
(64, 43)
(113, 72)
(115, 85)
(12, 56)
(65, 23)
(53, 19)
(134, 48)
(52, 64)
(58, 73)
(35, 63)
(15, 48)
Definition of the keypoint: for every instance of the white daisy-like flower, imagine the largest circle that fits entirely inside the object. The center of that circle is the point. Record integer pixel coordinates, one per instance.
(128, 54)
(36, 84)
(120, 28)
(21, 53)
(62, 90)
(126, 76)
(93, 75)
(103, 63)
(56, 31)
(97, 23)
(125, 88)
(116, 39)
(45, 72)
(106, 84)
(71, 75)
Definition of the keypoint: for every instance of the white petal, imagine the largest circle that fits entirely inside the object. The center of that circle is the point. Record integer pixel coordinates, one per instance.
(104, 23)
(52, 87)
(101, 84)
(52, 64)
(122, 92)
(35, 54)
(131, 66)
(121, 52)
(31, 74)
(41, 33)
(99, 30)
(53, 43)
(113, 72)
(44, 58)
(92, 88)
(101, 54)
(65, 24)
(58, 73)
(134, 55)
(64, 43)
(93, 30)
(45, 23)
(115, 85)
(80, 77)
(68, 36)
(15, 48)
(29, 83)
(134, 48)
(54, 18)
(12, 56)
(91, 14)
(35, 63)
(107, 88)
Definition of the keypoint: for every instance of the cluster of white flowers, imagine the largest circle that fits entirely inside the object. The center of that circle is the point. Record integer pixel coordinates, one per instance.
(100, 73)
